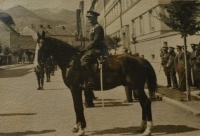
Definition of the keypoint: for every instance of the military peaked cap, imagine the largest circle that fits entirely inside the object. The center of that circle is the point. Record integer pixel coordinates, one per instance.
(165, 47)
(91, 13)
(193, 44)
(171, 47)
(178, 46)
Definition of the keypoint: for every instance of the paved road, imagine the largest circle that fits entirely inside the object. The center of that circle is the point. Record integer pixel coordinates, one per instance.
(27, 111)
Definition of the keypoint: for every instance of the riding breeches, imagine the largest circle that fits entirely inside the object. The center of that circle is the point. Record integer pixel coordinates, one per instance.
(90, 56)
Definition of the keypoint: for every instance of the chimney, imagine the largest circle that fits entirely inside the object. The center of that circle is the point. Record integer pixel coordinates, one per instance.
(41, 26)
(49, 26)
(63, 27)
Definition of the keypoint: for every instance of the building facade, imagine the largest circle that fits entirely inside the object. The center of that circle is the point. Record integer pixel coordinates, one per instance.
(138, 18)
(58, 32)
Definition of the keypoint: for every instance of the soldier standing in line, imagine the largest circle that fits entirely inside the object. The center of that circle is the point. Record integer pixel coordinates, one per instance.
(171, 67)
(192, 61)
(188, 66)
(165, 58)
(180, 67)
(197, 65)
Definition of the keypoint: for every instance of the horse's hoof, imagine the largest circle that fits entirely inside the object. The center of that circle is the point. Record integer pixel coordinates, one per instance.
(80, 133)
(39, 88)
(75, 130)
(42, 89)
(146, 133)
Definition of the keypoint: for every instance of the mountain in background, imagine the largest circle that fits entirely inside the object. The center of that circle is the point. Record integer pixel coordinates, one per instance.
(25, 17)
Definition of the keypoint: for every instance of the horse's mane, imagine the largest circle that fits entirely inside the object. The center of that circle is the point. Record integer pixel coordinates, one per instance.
(61, 51)
(59, 43)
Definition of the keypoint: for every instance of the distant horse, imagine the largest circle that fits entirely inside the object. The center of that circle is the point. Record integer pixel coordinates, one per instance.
(118, 70)
(39, 69)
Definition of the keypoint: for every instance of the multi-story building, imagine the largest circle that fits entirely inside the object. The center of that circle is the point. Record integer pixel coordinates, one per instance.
(138, 18)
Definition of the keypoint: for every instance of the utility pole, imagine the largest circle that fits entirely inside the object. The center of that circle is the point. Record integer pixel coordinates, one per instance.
(82, 23)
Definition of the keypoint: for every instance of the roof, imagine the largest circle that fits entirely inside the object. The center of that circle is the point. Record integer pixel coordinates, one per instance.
(52, 30)
(24, 42)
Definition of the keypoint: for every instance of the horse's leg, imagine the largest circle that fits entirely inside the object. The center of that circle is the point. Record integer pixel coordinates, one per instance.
(79, 110)
(146, 112)
(38, 80)
(89, 98)
(128, 91)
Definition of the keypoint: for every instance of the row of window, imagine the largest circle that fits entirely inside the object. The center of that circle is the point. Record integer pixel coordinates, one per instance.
(127, 3)
(116, 10)
(113, 13)
(141, 23)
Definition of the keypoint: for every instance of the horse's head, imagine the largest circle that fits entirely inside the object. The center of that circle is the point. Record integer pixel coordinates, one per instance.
(44, 47)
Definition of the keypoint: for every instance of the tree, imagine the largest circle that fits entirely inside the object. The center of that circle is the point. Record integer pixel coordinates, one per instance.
(1, 49)
(181, 17)
(6, 19)
(111, 42)
(6, 50)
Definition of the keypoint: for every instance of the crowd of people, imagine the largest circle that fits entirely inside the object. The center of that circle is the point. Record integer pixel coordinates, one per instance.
(173, 63)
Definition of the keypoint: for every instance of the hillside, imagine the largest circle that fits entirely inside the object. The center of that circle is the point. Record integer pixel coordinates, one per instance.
(25, 17)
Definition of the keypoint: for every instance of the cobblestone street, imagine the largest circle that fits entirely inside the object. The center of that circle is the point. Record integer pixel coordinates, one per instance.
(49, 112)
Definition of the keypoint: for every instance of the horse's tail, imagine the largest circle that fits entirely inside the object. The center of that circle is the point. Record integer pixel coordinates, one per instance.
(151, 80)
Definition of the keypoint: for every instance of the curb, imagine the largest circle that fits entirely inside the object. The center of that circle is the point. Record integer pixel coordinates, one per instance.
(10, 66)
(180, 105)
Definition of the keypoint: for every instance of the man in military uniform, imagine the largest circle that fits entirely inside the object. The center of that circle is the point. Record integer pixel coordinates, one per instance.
(165, 58)
(93, 50)
(180, 67)
(188, 56)
(171, 67)
(192, 61)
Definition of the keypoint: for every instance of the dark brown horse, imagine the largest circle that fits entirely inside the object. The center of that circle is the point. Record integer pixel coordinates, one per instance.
(119, 70)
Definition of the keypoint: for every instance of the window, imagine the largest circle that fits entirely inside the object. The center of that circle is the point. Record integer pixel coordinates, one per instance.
(133, 28)
(141, 25)
(151, 21)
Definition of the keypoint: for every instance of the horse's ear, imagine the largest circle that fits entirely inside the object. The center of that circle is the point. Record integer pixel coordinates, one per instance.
(43, 34)
(38, 34)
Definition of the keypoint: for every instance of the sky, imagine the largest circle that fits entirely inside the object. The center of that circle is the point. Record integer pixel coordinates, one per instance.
(52, 4)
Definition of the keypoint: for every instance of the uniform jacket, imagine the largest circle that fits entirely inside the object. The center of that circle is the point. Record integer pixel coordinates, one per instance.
(179, 61)
(96, 38)
(170, 62)
(165, 58)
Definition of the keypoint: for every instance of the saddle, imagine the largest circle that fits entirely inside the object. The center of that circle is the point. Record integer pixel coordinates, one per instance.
(109, 63)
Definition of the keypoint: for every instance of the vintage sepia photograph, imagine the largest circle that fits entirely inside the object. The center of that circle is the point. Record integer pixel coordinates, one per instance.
(100, 67)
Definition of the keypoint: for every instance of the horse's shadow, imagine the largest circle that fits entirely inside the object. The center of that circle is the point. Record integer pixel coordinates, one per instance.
(27, 133)
(110, 103)
(157, 130)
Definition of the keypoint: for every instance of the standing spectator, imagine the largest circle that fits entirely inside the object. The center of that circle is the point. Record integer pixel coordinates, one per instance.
(171, 67)
(165, 58)
(192, 61)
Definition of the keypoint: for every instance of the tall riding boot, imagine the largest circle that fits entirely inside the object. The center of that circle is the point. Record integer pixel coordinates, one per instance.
(89, 74)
